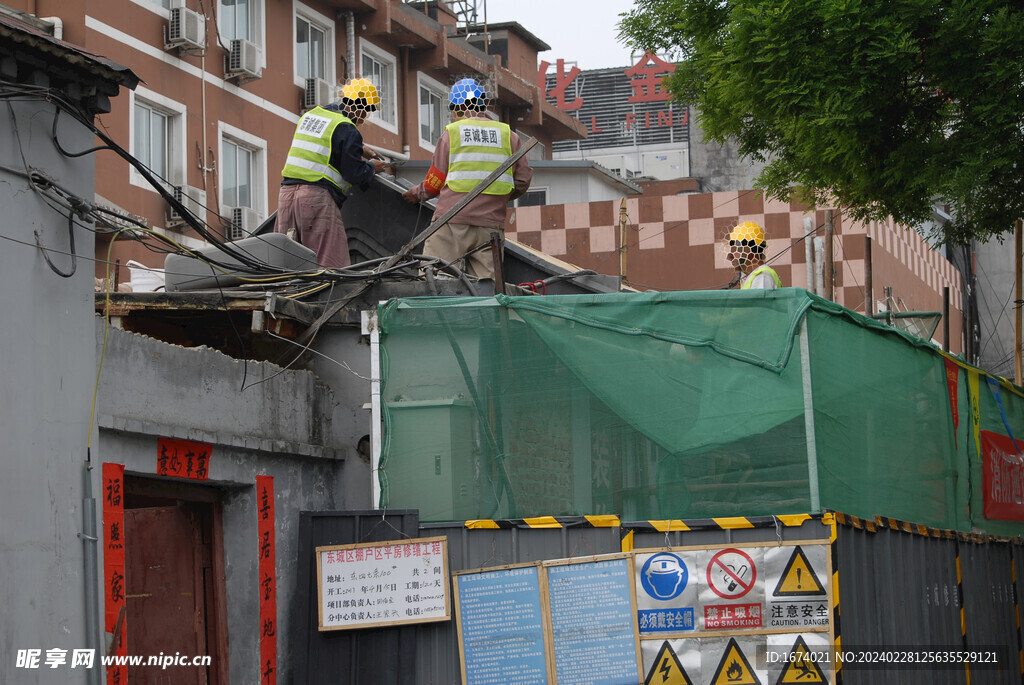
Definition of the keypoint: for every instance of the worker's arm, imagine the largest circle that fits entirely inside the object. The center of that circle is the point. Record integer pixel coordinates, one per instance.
(347, 157)
(436, 175)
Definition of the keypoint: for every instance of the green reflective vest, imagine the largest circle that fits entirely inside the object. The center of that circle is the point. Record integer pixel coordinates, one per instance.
(309, 158)
(478, 148)
(761, 269)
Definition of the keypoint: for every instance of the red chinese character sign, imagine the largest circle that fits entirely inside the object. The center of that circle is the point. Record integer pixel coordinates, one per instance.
(1003, 472)
(627, 106)
(114, 608)
(183, 458)
(562, 82)
(266, 568)
(647, 78)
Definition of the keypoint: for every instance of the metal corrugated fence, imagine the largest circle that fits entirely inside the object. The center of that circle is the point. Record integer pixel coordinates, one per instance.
(894, 585)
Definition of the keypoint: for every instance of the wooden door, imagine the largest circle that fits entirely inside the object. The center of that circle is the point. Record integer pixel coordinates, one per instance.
(166, 600)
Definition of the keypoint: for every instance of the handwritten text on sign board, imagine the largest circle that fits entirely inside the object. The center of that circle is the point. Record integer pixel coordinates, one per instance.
(383, 583)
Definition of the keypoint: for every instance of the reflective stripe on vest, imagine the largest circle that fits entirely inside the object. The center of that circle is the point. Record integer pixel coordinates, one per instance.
(478, 148)
(309, 158)
(761, 270)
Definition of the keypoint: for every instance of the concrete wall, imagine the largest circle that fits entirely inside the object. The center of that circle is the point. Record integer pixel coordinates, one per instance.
(47, 379)
(292, 427)
(718, 167)
(995, 264)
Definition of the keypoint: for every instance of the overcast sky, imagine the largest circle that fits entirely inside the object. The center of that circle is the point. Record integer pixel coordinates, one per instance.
(581, 31)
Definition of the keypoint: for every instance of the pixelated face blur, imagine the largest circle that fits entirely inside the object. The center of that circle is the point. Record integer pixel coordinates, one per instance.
(744, 254)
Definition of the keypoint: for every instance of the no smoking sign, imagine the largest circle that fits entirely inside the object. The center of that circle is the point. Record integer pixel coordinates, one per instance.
(731, 573)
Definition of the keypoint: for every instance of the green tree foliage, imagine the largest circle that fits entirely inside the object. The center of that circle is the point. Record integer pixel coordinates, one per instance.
(881, 106)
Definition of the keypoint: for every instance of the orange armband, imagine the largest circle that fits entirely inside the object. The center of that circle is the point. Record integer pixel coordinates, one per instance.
(434, 180)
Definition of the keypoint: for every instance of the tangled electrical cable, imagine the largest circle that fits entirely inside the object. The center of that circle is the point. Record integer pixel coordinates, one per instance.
(240, 263)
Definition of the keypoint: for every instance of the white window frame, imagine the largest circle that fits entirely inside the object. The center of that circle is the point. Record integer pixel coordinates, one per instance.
(154, 7)
(257, 32)
(535, 189)
(424, 82)
(323, 23)
(258, 146)
(368, 49)
(177, 154)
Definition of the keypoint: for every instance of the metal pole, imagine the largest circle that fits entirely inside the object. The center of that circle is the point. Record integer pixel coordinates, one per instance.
(819, 258)
(945, 318)
(812, 447)
(830, 266)
(1017, 365)
(809, 251)
(90, 542)
(623, 217)
(372, 327)
(869, 284)
(889, 319)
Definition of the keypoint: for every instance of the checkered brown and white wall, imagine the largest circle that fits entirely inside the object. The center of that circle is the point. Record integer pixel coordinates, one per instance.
(673, 243)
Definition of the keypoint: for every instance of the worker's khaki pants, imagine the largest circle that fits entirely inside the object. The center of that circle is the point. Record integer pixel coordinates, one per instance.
(452, 241)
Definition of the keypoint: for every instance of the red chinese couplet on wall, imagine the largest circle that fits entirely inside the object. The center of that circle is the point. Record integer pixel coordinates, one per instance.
(113, 566)
(183, 458)
(1003, 469)
(268, 579)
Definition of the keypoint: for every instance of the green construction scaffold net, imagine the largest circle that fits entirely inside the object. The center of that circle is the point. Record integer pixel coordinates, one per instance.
(676, 405)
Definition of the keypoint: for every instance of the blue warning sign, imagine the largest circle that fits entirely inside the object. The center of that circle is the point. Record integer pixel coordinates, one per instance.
(664, 576)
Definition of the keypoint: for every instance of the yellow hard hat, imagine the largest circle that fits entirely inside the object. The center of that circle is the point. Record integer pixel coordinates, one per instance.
(361, 89)
(747, 233)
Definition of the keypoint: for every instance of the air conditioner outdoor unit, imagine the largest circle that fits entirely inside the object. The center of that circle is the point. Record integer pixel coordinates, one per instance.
(193, 199)
(244, 221)
(244, 60)
(185, 30)
(318, 93)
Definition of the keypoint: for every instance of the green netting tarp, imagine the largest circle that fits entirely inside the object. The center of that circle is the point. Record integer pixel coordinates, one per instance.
(672, 405)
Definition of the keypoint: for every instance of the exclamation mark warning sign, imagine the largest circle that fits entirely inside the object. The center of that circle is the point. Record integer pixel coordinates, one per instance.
(798, 579)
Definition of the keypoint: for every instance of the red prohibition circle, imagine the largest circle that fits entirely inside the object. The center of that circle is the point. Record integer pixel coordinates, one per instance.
(731, 573)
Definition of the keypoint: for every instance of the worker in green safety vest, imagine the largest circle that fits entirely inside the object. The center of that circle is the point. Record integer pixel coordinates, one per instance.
(326, 159)
(471, 148)
(745, 251)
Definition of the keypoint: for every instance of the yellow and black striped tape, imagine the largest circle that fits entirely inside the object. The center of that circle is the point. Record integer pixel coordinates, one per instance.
(885, 522)
(833, 540)
(963, 609)
(726, 523)
(607, 521)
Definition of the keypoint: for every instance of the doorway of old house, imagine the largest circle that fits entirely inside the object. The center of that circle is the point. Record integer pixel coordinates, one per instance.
(174, 580)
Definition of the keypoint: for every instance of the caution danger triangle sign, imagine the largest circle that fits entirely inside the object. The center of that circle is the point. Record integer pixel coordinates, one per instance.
(734, 669)
(799, 578)
(666, 669)
(799, 666)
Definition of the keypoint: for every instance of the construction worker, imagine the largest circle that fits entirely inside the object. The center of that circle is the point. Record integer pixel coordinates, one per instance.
(745, 251)
(472, 147)
(325, 160)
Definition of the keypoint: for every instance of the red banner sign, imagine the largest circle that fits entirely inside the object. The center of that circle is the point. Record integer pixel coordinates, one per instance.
(952, 384)
(1003, 469)
(183, 458)
(114, 608)
(268, 579)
